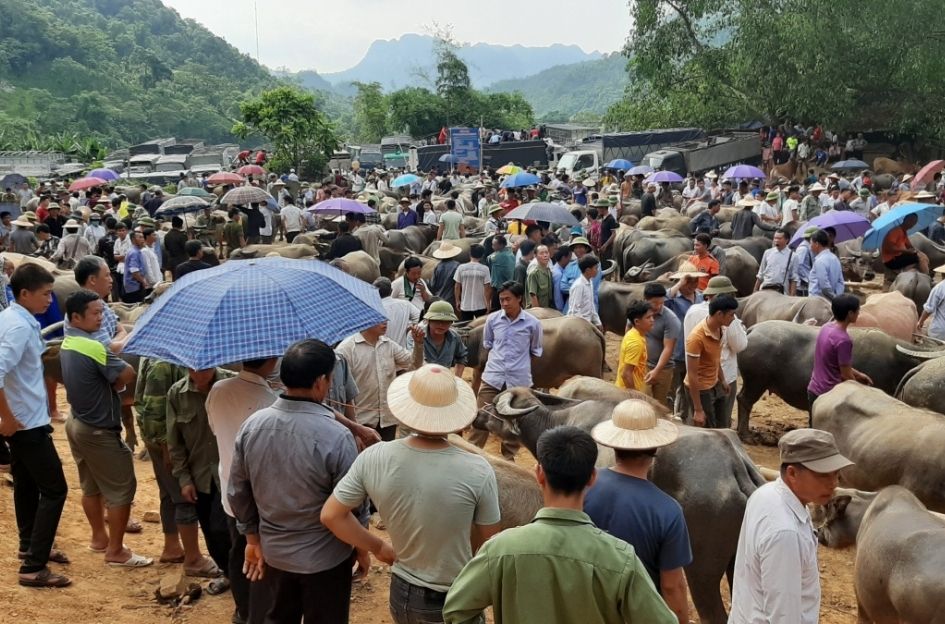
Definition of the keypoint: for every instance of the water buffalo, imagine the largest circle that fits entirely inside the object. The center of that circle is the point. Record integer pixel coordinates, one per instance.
(462, 243)
(755, 245)
(891, 312)
(615, 299)
(677, 222)
(294, 251)
(922, 386)
(890, 442)
(587, 388)
(707, 471)
(649, 271)
(740, 267)
(914, 286)
(570, 346)
(362, 266)
(655, 249)
(414, 238)
(936, 253)
(900, 554)
(770, 305)
(773, 344)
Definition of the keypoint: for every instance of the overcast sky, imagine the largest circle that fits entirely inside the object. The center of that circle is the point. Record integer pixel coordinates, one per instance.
(333, 35)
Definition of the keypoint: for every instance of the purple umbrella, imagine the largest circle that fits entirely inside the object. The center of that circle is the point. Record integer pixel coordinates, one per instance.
(666, 176)
(848, 225)
(640, 170)
(340, 205)
(105, 174)
(740, 172)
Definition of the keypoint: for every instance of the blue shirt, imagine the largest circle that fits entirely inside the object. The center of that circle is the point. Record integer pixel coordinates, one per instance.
(826, 274)
(680, 305)
(51, 316)
(570, 275)
(21, 367)
(134, 260)
(805, 259)
(405, 219)
(511, 345)
(642, 515)
(556, 274)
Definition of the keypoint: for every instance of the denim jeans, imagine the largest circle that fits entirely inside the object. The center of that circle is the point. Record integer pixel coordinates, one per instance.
(412, 604)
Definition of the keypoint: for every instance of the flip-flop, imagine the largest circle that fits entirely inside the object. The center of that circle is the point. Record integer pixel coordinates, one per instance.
(133, 526)
(45, 578)
(97, 550)
(207, 569)
(55, 555)
(218, 586)
(179, 559)
(134, 561)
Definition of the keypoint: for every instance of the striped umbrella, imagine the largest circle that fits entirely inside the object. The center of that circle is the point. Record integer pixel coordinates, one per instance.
(181, 204)
(225, 177)
(244, 195)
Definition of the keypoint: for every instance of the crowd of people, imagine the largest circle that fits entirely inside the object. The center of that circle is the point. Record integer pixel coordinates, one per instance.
(281, 466)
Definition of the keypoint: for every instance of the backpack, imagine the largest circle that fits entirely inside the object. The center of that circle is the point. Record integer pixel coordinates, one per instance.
(593, 234)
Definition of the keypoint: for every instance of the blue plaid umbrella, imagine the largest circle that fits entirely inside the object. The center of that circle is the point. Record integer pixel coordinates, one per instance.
(249, 309)
(522, 178)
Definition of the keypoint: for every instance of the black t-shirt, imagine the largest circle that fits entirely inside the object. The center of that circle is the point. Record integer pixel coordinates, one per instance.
(255, 221)
(55, 225)
(189, 267)
(153, 204)
(607, 227)
(344, 244)
(106, 250)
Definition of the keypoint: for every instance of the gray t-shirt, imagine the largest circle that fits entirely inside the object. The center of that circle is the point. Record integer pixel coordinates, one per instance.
(473, 276)
(429, 499)
(666, 326)
(88, 372)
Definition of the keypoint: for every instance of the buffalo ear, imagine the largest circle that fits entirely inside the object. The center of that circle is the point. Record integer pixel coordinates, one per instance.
(837, 507)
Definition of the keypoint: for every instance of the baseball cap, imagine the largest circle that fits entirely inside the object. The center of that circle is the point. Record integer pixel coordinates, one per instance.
(812, 448)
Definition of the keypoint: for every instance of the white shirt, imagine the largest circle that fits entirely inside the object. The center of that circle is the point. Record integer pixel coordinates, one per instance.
(581, 301)
(399, 291)
(374, 368)
(430, 217)
(292, 218)
(788, 209)
(776, 577)
(776, 267)
(230, 403)
(266, 230)
(767, 212)
(401, 314)
(935, 306)
(734, 338)
(152, 266)
(122, 248)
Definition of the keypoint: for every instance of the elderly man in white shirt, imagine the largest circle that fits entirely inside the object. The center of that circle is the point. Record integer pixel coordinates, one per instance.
(401, 314)
(776, 579)
(581, 298)
(777, 265)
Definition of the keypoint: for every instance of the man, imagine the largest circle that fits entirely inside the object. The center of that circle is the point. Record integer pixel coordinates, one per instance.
(826, 274)
(661, 340)
(175, 243)
(255, 223)
(22, 240)
(473, 288)
(401, 314)
(451, 223)
(93, 376)
(372, 235)
(152, 204)
(580, 247)
(233, 233)
(810, 205)
(55, 221)
(790, 209)
(297, 444)
(889, 198)
(562, 259)
(842, 202)
(706, 221)
(631, 364)
(407, 215)
(71, 248)
(625, 504)
(442, 345)
(734, 340)
(374, 361)
(443, 285)
(539, 283)
(501, 264)
(526, 253)
(152, 257)
(494, 223)
(513, 337)
(861, 205)
(411, 287)
(802, 265)
(833, 352)
(581, 301)
(195, 460)
(564, 553)
(39, 485)
(708, 389)
(95, 230)
(413, 479)
(48, 244)
(230, 403)
(768, 210)
(293, 221)
(680, 297)
(120, 249)
(135, 281)
(704, 261)
(194, 251)
(897, 250)
(934, 307)
(344, 242)
(777, 265)
(777, 578)
(745, 220)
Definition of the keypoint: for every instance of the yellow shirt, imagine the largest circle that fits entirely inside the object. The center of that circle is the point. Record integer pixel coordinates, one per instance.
(632, 354)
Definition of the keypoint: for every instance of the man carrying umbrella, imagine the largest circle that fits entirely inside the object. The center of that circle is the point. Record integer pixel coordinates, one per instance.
(897, 250)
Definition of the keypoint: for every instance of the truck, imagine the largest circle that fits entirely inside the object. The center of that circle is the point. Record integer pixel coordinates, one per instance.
(142, 158)
(714, 152)
(395, 150)
(213, 158)
(597, 150)
(522, 153)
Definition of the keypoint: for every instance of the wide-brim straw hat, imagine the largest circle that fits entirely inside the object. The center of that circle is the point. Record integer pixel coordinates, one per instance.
(22, 222)
(447, 250)
(432, 400)
(747, 201)
(923, 195)
(687, 269)
(816, 186)
(940, 269)
(635, 426)
(495, 208)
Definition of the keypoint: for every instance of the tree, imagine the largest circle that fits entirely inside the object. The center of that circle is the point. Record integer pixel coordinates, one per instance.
(416, 111)
(370, 112)
(841, 63)
(301, 135)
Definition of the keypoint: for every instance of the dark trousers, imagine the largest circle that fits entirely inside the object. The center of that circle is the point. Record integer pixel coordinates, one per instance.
(39, 493)
(4, 452)
(213, 525)
(682, 403)
(252, 599)
(388, 434)
(290, 236)
(321, 598)
(478, 437)
(413, 604)
(168, 488)
(469, 315)
(134, 297)
(117, 286)
(811, 397)
(713, 405)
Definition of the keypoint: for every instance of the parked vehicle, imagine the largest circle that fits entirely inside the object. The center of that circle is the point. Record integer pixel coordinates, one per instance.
(715, 152)
(598, 150)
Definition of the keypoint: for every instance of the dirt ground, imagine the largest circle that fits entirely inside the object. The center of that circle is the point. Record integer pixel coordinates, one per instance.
(103, 594)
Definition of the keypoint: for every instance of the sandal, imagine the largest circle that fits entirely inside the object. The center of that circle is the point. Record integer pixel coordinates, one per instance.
(45, 578)
(134, 561)
(133, 526)
(178, 559)
(207, 569)
(55, 555)
(218, 586)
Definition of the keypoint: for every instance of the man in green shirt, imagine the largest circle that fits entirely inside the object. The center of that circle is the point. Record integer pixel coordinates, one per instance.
(501, 266)
(539, 282)
(233, 233)
(576, 572)
(451, 223)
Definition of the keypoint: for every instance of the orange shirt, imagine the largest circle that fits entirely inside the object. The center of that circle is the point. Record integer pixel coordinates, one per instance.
(705, 265)
(706, 346)
(895, 238)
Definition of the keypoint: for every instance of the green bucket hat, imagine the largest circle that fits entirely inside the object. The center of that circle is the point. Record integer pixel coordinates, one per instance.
(440, 311)
(601, 203)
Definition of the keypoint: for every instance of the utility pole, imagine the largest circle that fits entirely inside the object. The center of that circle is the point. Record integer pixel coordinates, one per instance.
(256, 22)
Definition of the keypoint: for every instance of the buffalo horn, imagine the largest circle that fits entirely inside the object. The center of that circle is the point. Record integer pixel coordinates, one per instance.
(503, 406)
(921, 355)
